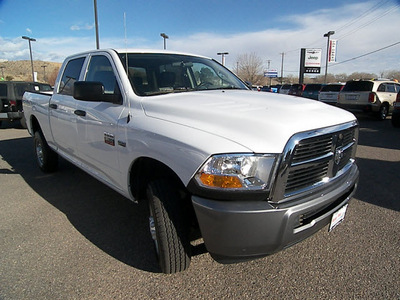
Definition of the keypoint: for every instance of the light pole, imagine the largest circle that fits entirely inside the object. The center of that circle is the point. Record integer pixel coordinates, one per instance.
(283, 56)
(328, 35)
(165, 37)
(223, 57)
(96, 23)
(30, 51)
(44, 73)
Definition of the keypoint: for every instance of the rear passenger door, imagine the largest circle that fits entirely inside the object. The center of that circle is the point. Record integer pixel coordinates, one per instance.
(387, 92)
(62, 108)
(97, 122)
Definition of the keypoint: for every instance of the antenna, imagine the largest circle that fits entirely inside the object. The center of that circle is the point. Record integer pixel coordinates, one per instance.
(126, 45)
(128, 119)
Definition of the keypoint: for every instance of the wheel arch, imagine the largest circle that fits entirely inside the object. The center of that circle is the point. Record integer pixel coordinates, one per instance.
(34, 125)
(145, 169)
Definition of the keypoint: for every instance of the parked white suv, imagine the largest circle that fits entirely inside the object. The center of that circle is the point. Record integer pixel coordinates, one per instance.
(372, 96)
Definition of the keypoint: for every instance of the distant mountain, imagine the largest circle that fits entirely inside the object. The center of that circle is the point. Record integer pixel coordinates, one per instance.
(21, 70)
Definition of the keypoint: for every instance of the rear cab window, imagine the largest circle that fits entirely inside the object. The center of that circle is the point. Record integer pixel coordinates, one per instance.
(3, 90)
(312, 87)
(21, 88)
(332, 88)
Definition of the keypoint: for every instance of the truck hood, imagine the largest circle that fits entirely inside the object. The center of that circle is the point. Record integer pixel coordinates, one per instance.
(261, 122)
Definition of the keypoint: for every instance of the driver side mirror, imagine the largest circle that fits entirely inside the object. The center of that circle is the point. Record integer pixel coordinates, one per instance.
(93, 91)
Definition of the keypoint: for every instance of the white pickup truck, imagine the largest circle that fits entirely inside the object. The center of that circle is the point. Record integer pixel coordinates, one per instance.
(253, 172)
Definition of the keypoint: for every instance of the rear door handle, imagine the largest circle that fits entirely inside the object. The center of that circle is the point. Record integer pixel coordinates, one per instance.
(53, 106)
(80, 113)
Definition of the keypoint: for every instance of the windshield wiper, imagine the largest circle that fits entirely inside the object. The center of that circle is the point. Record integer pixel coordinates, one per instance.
(219, 88)
(177, 90)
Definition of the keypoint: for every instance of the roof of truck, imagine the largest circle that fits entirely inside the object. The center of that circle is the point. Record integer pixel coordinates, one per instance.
(134, 50)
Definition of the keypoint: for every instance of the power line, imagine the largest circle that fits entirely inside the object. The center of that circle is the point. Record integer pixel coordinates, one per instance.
(366, 13)
(363, 15)
(377, 8)
(369, 53)
(369, 22)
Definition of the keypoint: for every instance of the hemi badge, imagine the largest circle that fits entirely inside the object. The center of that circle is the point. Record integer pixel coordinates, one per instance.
(122, 144)
(109, 139)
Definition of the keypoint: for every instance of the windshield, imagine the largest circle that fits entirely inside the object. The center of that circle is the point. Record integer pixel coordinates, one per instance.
(154, 74)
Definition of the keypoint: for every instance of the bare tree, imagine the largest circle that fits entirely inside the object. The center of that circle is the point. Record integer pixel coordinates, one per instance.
(361, 75)
(53, 76)
(392, 74)
(250, 67)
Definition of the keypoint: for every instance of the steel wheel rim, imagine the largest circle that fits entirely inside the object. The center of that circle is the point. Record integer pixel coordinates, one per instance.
(384, 112)
(39, 153)
(153, 231)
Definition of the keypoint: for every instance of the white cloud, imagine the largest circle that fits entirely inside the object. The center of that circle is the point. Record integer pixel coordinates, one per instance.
(28, 30)
(81, 27)
(307, 31)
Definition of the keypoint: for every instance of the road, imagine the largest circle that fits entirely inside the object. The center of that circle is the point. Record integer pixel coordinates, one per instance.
(67, 236)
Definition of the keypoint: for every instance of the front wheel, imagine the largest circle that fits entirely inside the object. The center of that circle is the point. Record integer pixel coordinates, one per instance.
(169, 227)
(46, 158)
(395, 121)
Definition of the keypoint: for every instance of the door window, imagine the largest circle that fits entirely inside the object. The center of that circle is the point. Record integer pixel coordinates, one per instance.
(390, 88)
(70, 75)
(100, 70)
(382, 88)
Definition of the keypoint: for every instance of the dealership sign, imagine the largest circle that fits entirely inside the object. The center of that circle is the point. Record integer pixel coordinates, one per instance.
(271, 73)
(312, 61)
(332, 51)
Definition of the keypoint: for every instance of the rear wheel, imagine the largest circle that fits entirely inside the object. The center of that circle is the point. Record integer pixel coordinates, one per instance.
(46, 158)
(383, 112)
(169, 227)
(23, 122)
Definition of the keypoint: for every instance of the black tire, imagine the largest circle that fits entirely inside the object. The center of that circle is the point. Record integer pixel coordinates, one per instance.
(383, 112)
(169, 226)
(46, 158)
(396, 121)
(23, 122)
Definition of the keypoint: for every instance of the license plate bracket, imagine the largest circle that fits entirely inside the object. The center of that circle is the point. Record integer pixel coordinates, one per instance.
(338, 217)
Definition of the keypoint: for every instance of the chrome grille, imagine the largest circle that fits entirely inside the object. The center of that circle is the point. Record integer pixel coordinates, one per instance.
(312, 148)
(306, 176)
(313, 158)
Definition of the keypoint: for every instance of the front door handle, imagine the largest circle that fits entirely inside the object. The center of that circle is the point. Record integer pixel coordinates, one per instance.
(80, 113)
(53, 106)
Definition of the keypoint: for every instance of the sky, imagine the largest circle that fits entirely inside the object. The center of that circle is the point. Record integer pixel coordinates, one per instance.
(367, 32)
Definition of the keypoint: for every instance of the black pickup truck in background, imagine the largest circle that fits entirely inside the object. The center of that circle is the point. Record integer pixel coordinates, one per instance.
(11, 93)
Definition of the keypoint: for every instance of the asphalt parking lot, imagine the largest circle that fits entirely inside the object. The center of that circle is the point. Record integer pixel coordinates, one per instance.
(67, 236)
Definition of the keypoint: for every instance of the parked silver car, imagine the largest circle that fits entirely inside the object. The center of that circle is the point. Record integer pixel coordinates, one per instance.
(329, 93)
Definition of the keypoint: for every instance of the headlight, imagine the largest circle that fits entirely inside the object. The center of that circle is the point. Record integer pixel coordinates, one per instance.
(237, 172)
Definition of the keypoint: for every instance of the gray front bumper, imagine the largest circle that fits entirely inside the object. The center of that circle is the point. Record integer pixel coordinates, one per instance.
(235, 231)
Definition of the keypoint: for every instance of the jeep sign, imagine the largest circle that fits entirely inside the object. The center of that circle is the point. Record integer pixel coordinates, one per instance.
(312, 61)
